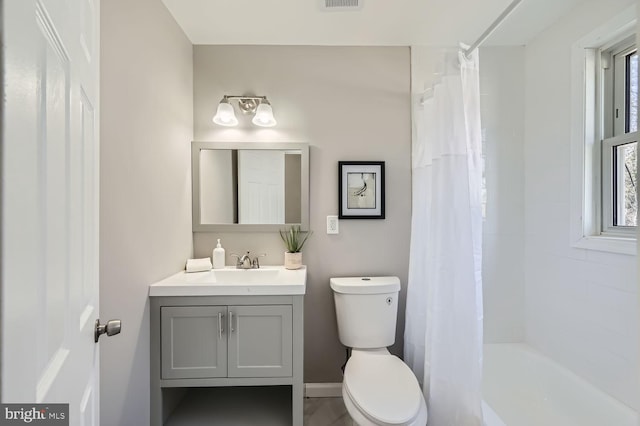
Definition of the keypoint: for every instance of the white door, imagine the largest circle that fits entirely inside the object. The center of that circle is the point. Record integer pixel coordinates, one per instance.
(49, 265)
(260, 186)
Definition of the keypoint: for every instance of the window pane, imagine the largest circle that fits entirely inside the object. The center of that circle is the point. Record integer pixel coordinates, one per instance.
(632, 94)
(626, 203)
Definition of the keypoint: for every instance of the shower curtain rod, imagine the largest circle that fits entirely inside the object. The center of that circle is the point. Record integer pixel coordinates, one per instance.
(483, 37)
(494, 26)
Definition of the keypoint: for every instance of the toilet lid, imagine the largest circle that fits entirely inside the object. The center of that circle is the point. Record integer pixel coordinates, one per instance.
(383, 388)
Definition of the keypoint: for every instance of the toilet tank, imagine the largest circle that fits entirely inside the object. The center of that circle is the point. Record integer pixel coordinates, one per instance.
(366, 310)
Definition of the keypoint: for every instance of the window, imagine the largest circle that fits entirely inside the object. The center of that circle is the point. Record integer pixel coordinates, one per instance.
(604, 113)
(618, 116)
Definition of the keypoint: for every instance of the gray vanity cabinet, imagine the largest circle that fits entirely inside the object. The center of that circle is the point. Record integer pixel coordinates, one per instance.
(221, 341)
(260, 341)
(225, 341)
(193, 342)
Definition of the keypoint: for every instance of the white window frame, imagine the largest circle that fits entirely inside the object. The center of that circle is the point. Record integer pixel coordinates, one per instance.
(587, 133)
(613, 133)
(608, 193)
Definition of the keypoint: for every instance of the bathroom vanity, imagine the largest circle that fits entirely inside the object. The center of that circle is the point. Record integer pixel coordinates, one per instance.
(226, 328)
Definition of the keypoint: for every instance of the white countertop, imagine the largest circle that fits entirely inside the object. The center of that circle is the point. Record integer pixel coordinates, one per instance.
(266, 281)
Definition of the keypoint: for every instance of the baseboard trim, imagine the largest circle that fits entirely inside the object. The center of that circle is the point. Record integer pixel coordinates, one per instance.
(322, 390)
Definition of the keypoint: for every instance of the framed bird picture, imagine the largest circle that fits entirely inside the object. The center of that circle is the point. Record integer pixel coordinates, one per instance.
(361, 189)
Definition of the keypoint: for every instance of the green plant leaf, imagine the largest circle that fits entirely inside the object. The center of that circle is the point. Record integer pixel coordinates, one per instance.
(294, 238)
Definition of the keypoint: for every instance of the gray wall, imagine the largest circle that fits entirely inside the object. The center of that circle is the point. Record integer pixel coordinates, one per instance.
(292, 188)
(348, 103)
(217, 174)
(145, 191)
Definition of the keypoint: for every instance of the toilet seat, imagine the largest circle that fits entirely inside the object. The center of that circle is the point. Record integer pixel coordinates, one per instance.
(383, 388)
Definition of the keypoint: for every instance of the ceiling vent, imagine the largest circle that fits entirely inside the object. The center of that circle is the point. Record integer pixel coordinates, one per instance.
(339, 5)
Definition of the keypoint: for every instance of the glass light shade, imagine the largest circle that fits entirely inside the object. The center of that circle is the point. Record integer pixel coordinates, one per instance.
(225, 116)
(264, 115)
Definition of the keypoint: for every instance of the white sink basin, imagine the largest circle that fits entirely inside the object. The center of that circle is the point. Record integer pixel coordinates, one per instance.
(268, 280)
(246, 276)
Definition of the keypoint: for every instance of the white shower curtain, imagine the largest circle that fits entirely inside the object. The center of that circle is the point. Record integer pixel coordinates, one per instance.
(443, 334)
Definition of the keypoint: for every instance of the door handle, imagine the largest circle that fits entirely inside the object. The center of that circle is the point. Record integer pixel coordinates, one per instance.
(231, 330)
(111, 328)
(220, 330)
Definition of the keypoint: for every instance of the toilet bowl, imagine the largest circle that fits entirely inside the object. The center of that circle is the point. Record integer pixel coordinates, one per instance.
(378, 388)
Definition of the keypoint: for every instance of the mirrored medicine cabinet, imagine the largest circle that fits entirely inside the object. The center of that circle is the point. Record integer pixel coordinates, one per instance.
(249, 186)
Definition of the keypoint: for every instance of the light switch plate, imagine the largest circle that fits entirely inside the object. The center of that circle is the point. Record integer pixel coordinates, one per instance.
(332, 225)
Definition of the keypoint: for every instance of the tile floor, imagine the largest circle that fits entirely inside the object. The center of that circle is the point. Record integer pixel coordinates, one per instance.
(325, 412)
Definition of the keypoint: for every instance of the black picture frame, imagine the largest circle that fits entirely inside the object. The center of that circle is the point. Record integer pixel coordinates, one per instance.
(361, 189)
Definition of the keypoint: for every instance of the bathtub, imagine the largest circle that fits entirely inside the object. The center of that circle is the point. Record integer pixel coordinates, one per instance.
(522, 387)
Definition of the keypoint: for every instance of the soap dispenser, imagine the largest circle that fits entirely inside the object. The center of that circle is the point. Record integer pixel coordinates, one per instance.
(218, 256)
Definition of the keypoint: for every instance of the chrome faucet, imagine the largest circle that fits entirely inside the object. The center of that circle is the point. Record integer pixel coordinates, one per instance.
(245, 261)
(255, 264)
(242, 262)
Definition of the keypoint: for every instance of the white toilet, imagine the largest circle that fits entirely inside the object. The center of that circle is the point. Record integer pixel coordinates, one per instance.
(378, 388)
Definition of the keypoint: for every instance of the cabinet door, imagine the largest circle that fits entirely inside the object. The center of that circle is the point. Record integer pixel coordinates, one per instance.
(193, 340)
(260, 341)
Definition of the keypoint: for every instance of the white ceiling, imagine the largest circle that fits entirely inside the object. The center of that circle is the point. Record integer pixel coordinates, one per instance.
(377, 23)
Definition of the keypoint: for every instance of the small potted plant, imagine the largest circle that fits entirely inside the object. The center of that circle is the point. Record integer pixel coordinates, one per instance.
(294, 240)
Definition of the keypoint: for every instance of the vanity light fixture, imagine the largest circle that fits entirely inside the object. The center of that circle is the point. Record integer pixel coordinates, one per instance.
(257, 105)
